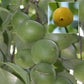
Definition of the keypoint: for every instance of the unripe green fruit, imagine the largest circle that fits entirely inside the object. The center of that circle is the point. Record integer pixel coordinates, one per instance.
(30, 31)
(43, 73)
(19, 18)
(23, 59)
(45, 51)
(62, 80)
(79, 71)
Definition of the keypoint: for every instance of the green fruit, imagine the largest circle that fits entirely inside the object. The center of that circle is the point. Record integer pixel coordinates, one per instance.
(44, 51)
(19, 18)
(30, 31)
(79, 71)
(23, 59)
(68, 53)
(43, 73)
(62, 80)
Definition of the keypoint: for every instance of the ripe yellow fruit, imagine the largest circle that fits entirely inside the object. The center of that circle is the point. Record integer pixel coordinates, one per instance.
(62, 17)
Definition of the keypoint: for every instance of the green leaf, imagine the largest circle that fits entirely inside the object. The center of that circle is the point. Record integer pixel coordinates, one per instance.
(74, 24)
(5, 3)
(41, 13)
(69, 53)
(5, 16)
(8, 78)
(70, 64)
(51, 27)
(3, 47)
(58, 66)
(1, 58)
(1, 22)
(72, 29)
(4, 13)
(77, 45)
(52, 6)
(62, 40)
(67, 75)
(23, 74)
(20, 43)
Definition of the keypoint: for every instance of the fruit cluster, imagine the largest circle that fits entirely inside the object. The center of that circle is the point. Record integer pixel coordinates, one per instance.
(43, 57)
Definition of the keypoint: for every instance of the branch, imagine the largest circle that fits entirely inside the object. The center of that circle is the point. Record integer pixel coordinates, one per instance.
(26, 9)
(66, 30)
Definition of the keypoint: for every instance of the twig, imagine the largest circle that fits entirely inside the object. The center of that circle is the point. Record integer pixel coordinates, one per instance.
(32, 67)
(66, 29)
(13, 54)
(37, 18)
(57, 5)
(26, 9)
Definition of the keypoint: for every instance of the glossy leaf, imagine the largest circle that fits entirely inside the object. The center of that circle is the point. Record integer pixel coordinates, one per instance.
(23, 74)
(8, 78)
(67, 75)
(63, 40)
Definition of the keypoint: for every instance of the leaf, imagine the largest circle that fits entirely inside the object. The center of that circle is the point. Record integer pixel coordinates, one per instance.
(58, 66)
(62, 40)
(67, 75)
(23, 74)
(78, 44)
(20, 43)
(72, 29)
(74, 24)
(69, 53)
(4, 13)
(41, 13)
(8, 78)
(5, 3)
(70, 64)
(3, 47)
(52, 6)
(51, 27)
(1, 58)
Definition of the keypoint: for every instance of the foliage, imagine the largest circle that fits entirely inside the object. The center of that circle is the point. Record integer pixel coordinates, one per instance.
(23, 24)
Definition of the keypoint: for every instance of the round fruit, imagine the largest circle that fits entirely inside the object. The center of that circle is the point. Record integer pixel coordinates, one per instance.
(62, 80)
(43, 73)
(30, 31)
(79, 71)
(23, 59)
(62, 17)
(19, 18)
(68, 53)
(45, 51)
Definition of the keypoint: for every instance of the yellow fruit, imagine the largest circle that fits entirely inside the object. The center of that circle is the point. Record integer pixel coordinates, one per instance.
(62, 17)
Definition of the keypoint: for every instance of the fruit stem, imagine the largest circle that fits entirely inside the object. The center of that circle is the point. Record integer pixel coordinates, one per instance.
(57, 5)
(66, 30)
(12, 57)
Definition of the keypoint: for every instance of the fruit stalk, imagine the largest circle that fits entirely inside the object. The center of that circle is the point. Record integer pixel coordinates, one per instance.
(57, 5)
(66, 29)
